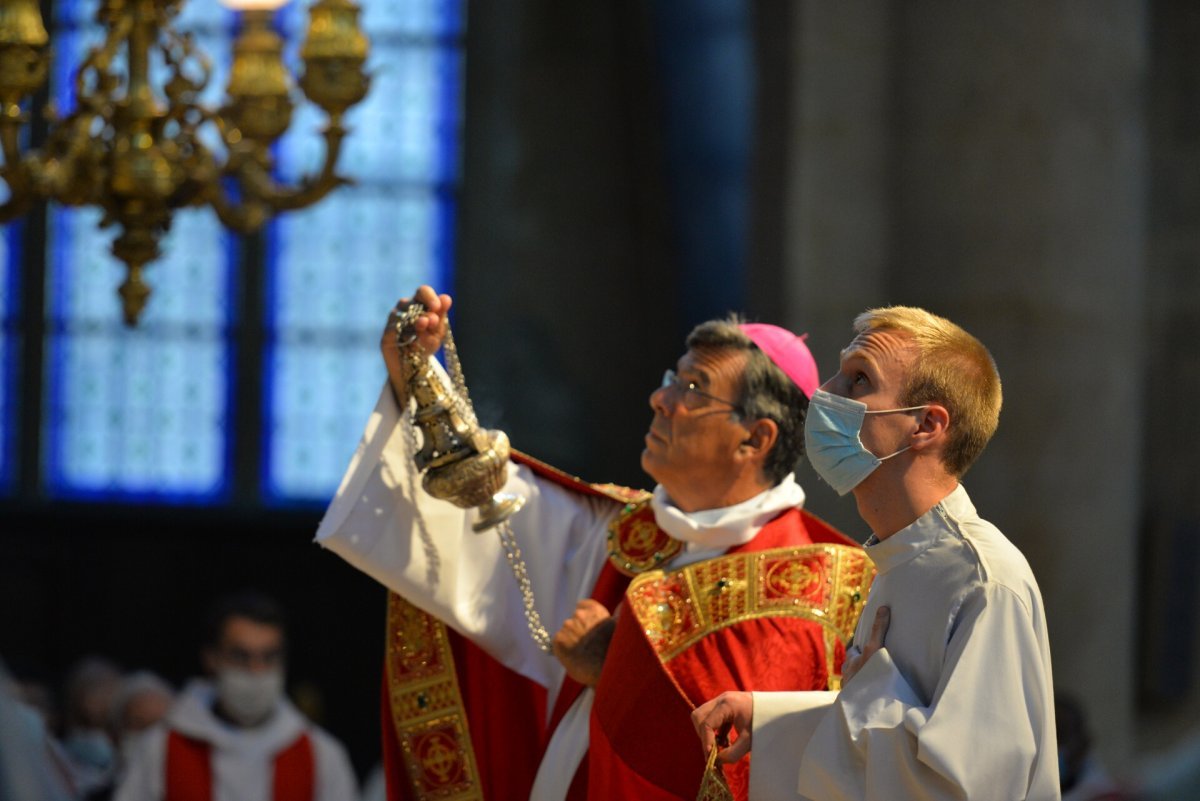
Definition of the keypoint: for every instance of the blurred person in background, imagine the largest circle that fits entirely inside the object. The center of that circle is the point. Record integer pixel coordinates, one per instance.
(39, 696)
(141, 701)
(88, 694)
(1081, 774)
(33, 767)
(234, 735)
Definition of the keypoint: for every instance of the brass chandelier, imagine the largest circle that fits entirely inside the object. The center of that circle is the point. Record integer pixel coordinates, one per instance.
(137, 153)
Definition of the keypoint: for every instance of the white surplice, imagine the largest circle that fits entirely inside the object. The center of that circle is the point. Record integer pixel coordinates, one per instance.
(243, 760)
(958, 704)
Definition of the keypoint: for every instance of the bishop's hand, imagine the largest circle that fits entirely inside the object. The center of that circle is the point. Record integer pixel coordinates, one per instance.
(430, 328)
(582, 642)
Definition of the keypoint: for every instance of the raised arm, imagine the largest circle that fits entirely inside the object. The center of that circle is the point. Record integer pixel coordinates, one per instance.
(385, 524)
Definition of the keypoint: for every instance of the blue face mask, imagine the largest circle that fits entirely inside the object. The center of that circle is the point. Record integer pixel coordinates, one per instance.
(91, 748)
(832, 443)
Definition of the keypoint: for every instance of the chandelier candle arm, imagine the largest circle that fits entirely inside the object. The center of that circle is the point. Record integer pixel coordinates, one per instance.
(260, 105)
(135, 149)
(23, 68)
(139, 98)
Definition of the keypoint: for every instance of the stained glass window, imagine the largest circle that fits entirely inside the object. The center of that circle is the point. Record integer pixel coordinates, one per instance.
(149, 413)
(137, 413)
(336, 269)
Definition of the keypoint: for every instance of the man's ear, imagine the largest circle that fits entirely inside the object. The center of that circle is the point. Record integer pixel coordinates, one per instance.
(761, 436)
(933, 427)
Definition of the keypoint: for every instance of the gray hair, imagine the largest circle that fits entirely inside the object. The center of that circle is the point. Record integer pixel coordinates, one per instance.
(766, 392)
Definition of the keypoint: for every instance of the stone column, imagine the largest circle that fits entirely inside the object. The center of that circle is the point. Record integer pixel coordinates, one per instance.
(1018, 212)
(986, 161)
(836, 224)
(566, 298)
(1170, 611)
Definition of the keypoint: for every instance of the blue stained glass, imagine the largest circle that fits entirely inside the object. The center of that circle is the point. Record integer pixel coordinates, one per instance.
(342, 263)
(403, 131)
(390, 19)
(138, 412)
(330, 389)
(194, 16)
(337, 268)
(324, 368)
(75, 12)
(78, 34)
(204, 15)
(189, 282)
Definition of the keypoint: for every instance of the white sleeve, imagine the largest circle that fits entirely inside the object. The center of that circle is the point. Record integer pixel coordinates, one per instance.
(978, 738)
(782, 724)
(144, 778)
(383, 523)
(335, 776)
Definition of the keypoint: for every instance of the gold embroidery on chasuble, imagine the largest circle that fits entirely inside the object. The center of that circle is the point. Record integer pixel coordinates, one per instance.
(626, 495)
(636, 543)
(824, 583)
(427, 707)
(616, 492)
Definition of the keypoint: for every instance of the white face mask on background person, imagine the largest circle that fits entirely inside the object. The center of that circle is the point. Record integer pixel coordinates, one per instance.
(832, 442)
(248, 697)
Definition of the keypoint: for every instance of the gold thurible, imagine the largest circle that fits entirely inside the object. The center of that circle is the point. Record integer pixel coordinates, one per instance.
(462, 462)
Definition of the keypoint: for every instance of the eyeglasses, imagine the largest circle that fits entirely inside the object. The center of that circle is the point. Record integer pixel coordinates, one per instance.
(691, 396)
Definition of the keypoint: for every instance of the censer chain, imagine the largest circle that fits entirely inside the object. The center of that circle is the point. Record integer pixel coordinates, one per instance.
(512, 551)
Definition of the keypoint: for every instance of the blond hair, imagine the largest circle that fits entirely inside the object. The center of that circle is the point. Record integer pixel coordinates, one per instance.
(952, 368)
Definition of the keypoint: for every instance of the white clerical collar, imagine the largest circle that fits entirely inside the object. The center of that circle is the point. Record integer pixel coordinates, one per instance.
(921, 534)
(730, 525)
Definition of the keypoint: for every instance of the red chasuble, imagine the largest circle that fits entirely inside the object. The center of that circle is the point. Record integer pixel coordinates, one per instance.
(773, 614)
(458, 724)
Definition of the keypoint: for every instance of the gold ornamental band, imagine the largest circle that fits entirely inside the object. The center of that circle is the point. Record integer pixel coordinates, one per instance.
(636, 543)
(427, 707)
(824, 583)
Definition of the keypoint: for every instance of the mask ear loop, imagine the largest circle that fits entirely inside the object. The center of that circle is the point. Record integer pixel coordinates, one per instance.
(897, 453)
(890, 411)
(893, 411)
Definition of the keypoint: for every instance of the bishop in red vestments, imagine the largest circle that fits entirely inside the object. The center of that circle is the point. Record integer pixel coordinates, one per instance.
(715, 580)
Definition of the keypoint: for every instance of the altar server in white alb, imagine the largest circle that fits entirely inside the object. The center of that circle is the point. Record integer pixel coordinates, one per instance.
(947, 689)
(236, 737)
